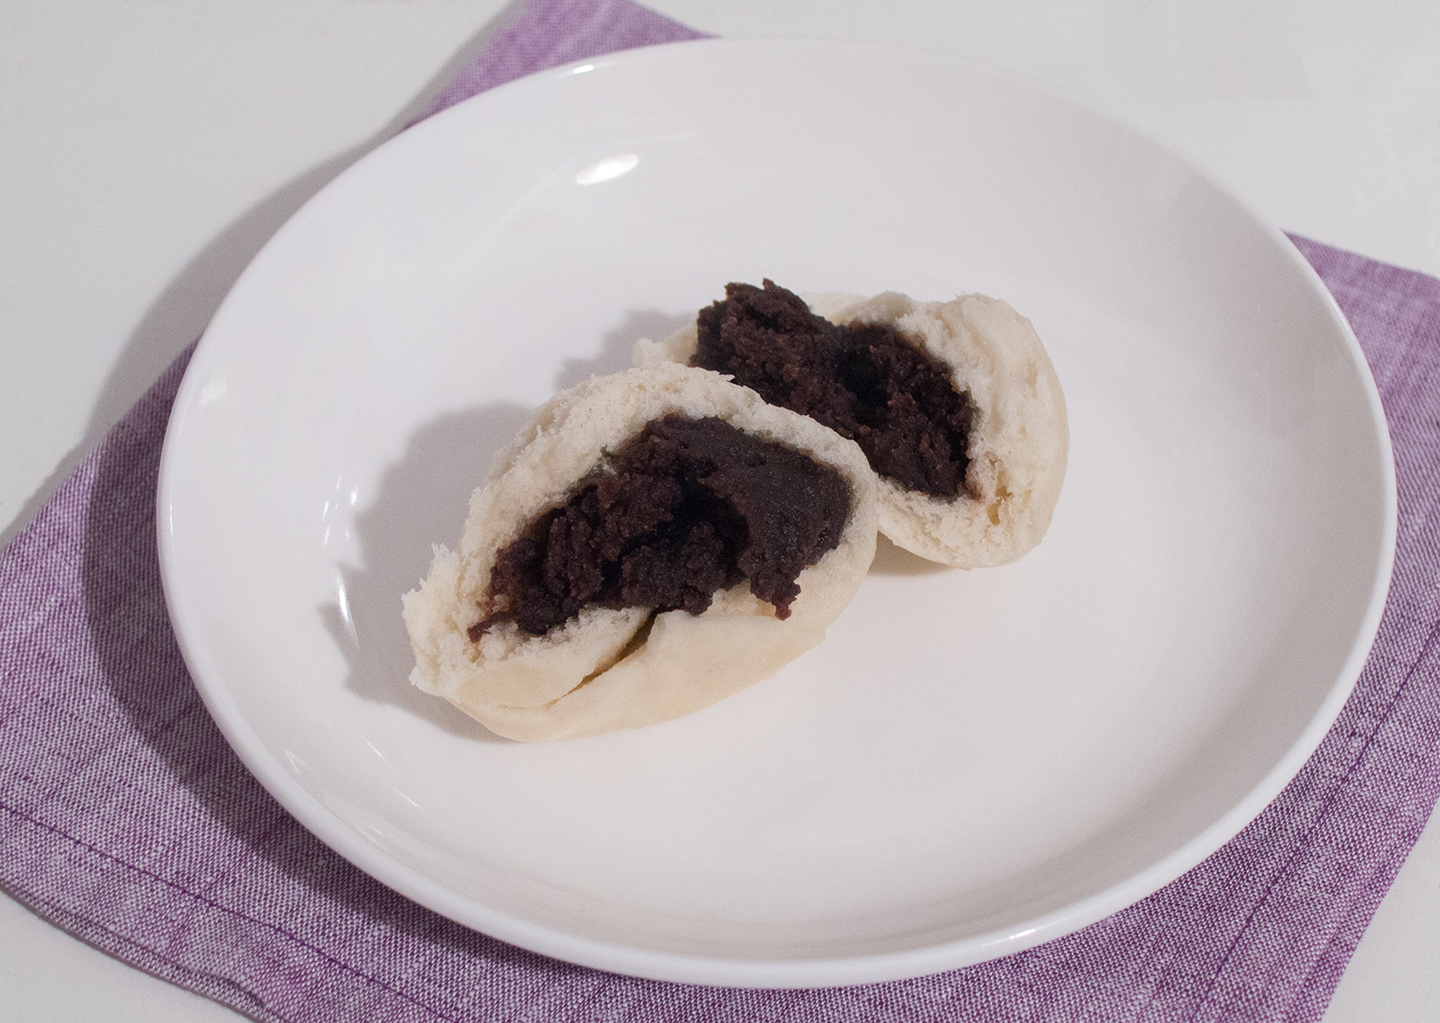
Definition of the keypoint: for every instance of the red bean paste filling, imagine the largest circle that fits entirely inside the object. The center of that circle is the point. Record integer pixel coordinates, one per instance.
(864, 381)
(688, 507)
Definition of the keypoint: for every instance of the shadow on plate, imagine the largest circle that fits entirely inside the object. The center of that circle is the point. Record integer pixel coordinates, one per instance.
(617, 344)
(422, 500)
(892, 560)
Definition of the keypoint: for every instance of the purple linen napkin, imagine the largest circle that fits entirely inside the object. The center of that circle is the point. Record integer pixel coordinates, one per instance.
(126, 819)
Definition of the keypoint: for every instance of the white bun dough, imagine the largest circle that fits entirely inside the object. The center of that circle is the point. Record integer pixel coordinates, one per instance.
(603, 670)
(1019, 437)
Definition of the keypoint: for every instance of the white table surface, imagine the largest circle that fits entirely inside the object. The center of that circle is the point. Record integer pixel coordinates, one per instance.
(149, 147)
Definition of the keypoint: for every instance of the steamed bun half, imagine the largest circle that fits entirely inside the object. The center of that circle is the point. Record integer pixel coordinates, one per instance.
(609, 669)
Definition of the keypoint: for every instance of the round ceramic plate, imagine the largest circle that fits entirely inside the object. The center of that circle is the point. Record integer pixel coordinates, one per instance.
(972, 762)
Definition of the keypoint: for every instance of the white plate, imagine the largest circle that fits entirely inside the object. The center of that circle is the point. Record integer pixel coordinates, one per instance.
(971, 763)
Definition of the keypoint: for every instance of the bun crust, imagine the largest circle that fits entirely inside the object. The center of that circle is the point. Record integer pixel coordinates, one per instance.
(1019, 439)
(609, 669)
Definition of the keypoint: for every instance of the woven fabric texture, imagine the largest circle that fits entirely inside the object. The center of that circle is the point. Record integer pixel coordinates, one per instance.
(126, 819)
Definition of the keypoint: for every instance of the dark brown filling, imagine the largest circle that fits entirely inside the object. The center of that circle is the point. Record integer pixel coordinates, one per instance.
(689, 507)
(865, 382)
